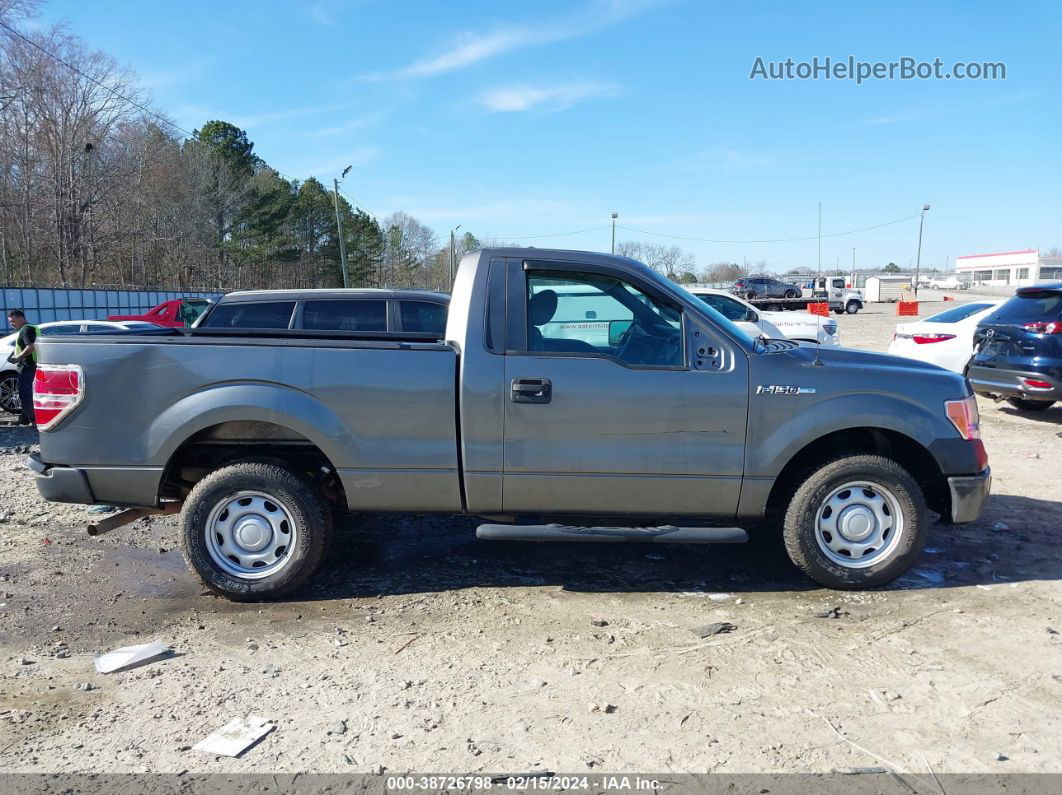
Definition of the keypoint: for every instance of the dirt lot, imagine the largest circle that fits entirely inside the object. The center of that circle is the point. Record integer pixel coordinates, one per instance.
(422, 649)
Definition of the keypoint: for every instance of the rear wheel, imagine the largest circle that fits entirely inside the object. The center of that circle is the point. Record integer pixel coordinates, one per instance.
(9, 400)
(1030, 405)
(254, 531)
(856, 522)
(749, 296)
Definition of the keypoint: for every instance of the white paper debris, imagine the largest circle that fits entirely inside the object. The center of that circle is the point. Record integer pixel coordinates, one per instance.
(129, 655)
(236, 736)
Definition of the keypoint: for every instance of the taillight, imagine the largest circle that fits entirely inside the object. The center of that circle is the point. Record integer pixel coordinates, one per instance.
(1036, 383)
(1044, 327)
(963, 415)
(925, 339)
(57, 389)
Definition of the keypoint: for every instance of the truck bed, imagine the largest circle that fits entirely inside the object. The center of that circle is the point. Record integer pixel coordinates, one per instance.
(381, 410)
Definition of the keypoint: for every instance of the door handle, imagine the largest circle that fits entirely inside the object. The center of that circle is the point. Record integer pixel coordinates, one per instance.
(531, 390)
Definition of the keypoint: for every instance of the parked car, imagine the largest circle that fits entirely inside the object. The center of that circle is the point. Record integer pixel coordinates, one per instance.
(9, 400)
(515, 416)
(1018, 349)
(765, 287)
(363, 310)
(944, 339)
(798, 326)
(945, 283)
(175, 313)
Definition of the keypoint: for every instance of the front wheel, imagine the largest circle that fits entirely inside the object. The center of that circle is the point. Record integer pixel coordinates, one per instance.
(254, 531)
(9, 400)
(852, 307)
(1030, 405)
(856, 522)
(791, 294)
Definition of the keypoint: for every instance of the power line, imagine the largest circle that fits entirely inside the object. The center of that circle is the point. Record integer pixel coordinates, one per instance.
(360, 205)
(774, 240)
(555, 234)
(104, 86)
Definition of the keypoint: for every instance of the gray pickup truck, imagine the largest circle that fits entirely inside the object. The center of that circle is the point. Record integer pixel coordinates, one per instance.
(574, 396)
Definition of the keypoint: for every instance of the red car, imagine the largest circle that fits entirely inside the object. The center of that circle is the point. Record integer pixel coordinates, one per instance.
(177, 313)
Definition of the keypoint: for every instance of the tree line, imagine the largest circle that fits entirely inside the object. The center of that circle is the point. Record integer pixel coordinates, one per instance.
(98, 190)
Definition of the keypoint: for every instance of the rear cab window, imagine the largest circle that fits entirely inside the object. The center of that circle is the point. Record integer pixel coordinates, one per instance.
(251, 314)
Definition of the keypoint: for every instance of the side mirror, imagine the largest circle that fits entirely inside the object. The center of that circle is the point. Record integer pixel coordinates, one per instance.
(751, 316)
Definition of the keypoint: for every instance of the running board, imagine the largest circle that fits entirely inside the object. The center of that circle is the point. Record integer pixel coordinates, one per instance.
(559, 532)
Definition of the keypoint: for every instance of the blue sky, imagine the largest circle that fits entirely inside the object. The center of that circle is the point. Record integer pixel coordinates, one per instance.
(530, 119)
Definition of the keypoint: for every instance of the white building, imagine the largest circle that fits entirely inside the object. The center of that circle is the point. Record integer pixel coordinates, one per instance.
(1008, 268)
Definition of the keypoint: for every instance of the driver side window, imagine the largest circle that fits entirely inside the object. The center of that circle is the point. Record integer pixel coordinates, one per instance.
(592, 313)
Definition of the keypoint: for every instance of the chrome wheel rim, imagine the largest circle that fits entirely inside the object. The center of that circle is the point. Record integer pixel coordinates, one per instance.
(9, 400)
(859, 524)
(250, 535)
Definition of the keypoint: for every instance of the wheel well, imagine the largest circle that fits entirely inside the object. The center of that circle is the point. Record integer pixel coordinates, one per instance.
(902, 449)
(249, 440)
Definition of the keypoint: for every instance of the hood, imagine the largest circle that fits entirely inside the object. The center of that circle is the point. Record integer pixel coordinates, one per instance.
(894, 366)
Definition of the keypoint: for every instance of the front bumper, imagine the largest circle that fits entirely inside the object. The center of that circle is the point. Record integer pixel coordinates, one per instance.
(60, 484)
(968, 495)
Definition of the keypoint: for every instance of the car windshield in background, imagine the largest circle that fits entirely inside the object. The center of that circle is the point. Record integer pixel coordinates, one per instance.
(1031, 305)
(346, 315)
(251, 314)
(423, 316)
(957, 313)
(725, 321)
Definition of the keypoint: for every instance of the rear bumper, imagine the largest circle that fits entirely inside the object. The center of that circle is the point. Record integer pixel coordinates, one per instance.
(1010, 383)
(60, 484)
(968, 495)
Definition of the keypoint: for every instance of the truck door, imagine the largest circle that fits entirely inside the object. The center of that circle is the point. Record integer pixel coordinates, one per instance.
(614, 400)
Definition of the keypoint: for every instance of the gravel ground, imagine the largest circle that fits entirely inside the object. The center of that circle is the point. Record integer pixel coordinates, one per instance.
(420, 649)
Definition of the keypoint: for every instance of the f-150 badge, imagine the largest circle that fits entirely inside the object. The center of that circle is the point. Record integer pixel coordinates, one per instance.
(784, 389)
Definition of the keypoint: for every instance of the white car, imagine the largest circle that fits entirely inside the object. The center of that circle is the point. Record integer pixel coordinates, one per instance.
(945, 339)
(945, 283)
(9, 401)
(796, 326)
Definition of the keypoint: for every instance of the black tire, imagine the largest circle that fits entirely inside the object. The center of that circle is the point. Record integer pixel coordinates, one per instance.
(774, 307)
(1030, 405)
(9, 401)
(749, 296)
(308, 512)
(838, 311)
(851, 307)
(791, 294)
(799, 525)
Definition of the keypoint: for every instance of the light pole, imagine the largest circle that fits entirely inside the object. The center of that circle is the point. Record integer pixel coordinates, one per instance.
(339, 229)
(918, 260)
(614, 217)
(452, 231)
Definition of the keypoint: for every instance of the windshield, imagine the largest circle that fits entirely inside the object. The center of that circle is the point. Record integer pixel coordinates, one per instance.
(1031, 305)
(957, 313)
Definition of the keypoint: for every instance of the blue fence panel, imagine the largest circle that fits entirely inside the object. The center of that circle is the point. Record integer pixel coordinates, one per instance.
(47, 305)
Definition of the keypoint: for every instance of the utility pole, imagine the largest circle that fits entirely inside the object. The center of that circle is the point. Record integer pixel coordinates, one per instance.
(452, 247)
(339, 230)
(918, 261)
(614, 217)
(820, 239)
(853, 268)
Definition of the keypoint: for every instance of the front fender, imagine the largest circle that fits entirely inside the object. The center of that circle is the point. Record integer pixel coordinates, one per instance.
(275, 403)
(778, 432)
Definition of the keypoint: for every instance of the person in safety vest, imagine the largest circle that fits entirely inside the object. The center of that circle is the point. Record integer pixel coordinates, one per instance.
(25, 360)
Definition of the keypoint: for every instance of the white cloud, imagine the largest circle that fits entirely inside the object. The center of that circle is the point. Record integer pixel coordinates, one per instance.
(357, 123)
(469, 47)
(546, 98)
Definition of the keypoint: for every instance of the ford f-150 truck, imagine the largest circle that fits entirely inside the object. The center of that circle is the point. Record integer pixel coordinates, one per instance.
(641, 414)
